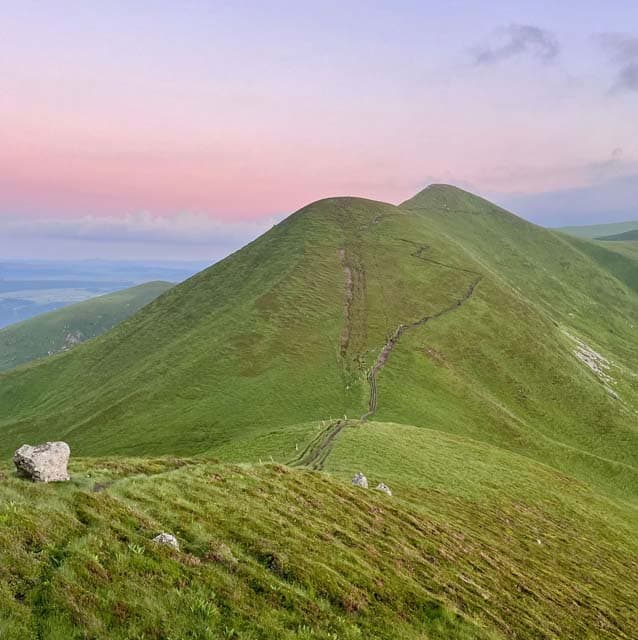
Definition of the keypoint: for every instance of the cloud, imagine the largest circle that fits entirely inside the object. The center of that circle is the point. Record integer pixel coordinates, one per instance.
(622, 50)
(142, 227)
(181, 236)
(518, 40)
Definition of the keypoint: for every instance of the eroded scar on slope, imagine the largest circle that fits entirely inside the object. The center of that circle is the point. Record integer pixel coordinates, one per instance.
(348, 297)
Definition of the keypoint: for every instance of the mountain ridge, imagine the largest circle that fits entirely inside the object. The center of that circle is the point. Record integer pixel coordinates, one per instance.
(255, 342)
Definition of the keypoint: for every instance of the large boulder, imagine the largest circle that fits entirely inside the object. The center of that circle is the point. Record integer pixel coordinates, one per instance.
(44, 462)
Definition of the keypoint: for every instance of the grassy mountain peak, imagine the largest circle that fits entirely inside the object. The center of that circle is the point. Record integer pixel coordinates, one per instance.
(483, 367)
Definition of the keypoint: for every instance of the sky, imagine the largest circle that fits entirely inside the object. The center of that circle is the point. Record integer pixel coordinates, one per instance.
(162, 129)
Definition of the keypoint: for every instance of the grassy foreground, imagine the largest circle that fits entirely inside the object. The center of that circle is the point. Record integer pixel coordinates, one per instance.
(510, 550)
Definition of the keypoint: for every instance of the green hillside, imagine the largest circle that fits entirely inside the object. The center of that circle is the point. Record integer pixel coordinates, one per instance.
(626, 236)
(596, 230)
(484, 367)
(288, 330)
(65, 328)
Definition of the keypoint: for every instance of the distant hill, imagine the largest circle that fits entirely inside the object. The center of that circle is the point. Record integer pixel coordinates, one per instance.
(597, 230)
(31, 288)
(627, 236)
(61, 330)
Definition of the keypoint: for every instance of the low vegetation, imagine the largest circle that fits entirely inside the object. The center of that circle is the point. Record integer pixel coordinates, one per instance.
(273, 552)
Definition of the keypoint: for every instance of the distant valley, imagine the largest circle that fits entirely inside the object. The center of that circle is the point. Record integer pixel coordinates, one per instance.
(29, 288)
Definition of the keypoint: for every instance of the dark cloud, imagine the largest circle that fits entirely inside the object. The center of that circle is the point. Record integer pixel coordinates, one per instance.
(622, 50)
(517, 40)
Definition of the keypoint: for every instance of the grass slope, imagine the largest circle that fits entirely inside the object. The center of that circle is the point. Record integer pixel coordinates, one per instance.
(627, 236)
(287, 331)
(65, 328)
(596, 230)
(440, 346)
(502, 548)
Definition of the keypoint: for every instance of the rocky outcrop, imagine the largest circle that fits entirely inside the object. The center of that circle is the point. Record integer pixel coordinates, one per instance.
(44, 462)
(360, 481)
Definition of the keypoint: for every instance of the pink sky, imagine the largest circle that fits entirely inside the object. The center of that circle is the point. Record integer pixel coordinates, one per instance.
(237, 112)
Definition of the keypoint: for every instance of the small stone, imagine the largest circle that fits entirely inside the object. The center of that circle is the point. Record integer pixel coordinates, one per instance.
(384, 487)
(360, 481)
(167, 539)
(44, 462)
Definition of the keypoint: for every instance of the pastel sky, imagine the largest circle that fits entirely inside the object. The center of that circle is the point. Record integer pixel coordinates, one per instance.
(140, 127)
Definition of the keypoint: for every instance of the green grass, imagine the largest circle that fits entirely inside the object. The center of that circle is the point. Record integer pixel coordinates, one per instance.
(491, 432)
(626, 236)
(253, 345)
(597, 230)
(273, 552)
(63, 329)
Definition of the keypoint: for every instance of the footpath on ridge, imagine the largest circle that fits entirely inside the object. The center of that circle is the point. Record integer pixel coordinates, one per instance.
(316, 453)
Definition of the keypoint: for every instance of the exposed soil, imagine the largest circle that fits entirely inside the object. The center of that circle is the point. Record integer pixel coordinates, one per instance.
(389, 346)
(316, 453)
(347, 302)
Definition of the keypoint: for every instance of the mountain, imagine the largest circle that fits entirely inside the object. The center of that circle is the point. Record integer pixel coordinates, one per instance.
(65, 328)
(484, 367)
(593, 231)
(627, 236)
(286, 332)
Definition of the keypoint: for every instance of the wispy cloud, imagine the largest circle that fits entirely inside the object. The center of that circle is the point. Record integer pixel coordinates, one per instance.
(622, 50)
(142, 227)
(517, 40)
(185, 236)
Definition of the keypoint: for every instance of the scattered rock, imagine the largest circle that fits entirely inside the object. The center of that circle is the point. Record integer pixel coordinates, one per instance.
(167, 539)
(360, 481)
(44, 462)
(384, 487)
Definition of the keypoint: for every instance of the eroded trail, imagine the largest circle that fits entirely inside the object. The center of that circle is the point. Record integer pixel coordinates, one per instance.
(315, 454)
(391, 344)
(317, 451)
(394, 340)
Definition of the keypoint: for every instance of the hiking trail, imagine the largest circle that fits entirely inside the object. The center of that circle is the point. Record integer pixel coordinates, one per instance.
(317, 451)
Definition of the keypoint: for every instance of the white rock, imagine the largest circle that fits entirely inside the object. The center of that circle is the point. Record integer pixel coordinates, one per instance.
(44, 462)
(167, 539)
(384, 487)
(360, 481)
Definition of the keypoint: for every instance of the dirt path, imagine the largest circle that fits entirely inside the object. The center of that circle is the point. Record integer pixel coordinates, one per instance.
(315, 454)
(347, 302)
(389, 346)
